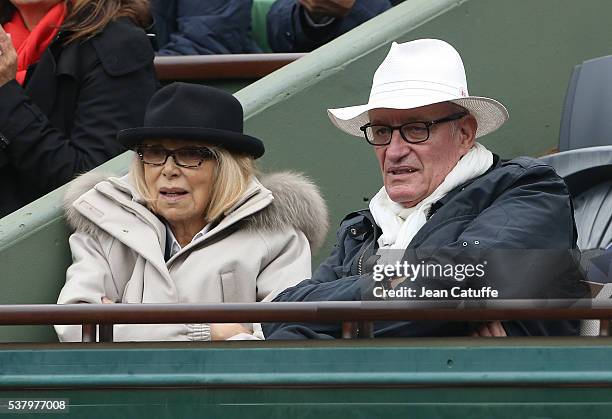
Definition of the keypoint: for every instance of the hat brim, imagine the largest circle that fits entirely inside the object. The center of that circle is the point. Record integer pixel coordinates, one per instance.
(231, 141)
(489, 113)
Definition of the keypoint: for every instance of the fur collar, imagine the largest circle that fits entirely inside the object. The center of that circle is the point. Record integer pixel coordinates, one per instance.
(297, 203)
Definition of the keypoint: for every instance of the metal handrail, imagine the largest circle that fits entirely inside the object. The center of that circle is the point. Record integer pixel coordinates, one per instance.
(221, 67)
(354, 315)
(327, 311)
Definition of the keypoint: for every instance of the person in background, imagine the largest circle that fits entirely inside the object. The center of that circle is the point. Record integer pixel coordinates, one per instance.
(197, 27)
(190, 222)
(304, 25)
(72, 74)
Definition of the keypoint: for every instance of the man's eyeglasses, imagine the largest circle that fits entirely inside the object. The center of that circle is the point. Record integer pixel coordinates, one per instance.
(411, 132)
(189, 157)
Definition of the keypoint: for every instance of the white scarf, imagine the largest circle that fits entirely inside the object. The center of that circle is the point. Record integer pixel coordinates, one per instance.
(399, 224)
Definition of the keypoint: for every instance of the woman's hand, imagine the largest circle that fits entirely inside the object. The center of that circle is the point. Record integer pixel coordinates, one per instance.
(218, 331)
(8, 58)
(224, 331)
(490, 329)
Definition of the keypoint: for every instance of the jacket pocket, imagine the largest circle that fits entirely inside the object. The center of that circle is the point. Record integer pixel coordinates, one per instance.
(229, 288)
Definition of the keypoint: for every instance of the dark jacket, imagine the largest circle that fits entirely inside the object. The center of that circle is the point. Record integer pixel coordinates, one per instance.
(289, 31)
(516, 206)
(65, 120)
(197, 27)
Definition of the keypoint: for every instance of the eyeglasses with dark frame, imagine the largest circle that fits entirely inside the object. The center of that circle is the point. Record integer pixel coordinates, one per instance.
(412, 132)
(188, 157)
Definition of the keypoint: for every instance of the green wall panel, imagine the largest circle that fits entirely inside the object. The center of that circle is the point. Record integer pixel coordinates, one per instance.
(333, 403)
(562, 378)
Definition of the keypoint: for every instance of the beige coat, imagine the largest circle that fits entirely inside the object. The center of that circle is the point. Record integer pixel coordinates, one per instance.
(260, 248)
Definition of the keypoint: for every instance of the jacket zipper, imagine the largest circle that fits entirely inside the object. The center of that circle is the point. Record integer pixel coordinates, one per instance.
(374, 239)
(361, 257)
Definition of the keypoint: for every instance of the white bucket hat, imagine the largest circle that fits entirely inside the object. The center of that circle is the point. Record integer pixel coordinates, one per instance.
(420, 73)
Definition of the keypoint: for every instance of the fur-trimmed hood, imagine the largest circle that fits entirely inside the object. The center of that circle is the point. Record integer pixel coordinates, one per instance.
(297, 203)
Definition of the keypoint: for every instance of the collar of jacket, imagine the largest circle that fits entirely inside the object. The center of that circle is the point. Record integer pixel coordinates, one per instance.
(365, 227)
(438, 204)
(113, 206)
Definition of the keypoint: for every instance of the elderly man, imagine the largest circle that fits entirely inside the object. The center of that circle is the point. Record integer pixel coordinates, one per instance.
(447, 202)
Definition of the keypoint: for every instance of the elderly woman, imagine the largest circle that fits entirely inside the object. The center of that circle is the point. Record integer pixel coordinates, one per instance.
(72, 74)
(190, 223)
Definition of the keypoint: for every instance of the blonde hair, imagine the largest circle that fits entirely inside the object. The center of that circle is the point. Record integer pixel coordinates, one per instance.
(231, 180)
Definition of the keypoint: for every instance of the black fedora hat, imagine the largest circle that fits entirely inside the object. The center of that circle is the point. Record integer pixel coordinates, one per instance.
(194, 112)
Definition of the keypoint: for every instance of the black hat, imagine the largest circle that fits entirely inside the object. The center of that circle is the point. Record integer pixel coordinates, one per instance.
(194, 112)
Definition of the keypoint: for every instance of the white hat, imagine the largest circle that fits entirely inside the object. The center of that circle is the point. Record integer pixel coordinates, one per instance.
(420, 73)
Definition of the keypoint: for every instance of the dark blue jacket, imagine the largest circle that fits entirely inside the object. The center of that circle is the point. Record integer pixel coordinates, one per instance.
(516, 206)
(288, 30)
(196, 27)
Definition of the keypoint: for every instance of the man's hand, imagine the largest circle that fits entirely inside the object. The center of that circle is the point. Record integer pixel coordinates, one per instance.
(223, 331)
(8, 58)
(490, 329)
(327, 8)
(106, 300)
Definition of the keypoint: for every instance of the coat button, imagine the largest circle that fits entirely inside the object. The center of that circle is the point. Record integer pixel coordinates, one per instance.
(464, 244)
(353, 231)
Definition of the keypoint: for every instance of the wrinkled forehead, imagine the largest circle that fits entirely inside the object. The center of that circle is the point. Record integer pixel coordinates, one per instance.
(423, 113)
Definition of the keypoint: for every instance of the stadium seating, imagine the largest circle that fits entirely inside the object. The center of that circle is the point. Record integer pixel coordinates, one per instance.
(586, 118)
